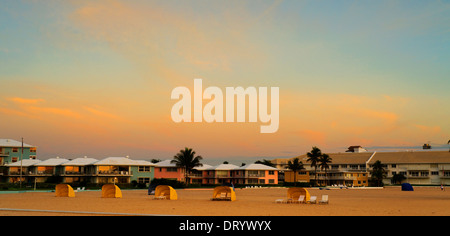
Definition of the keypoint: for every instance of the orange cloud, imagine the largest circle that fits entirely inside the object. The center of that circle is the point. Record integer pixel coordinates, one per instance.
(314, 136)
(25, 101)
(104, 114)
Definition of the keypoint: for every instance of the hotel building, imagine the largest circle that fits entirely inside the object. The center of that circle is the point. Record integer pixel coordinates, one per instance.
(353, 169)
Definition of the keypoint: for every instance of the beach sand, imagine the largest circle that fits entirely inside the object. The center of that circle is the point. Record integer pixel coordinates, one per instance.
(390, 201)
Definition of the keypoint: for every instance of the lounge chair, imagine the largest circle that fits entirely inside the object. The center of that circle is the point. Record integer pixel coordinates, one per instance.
(279, 201)
(301, 199)
(324, 199)
(162, 196)
(313, 200)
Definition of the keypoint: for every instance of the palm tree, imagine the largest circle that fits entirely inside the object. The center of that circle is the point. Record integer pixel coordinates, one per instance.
(378, 173)
(186, 158)
(295, 165)
(323, 164)
(313, 157)
(265, 162)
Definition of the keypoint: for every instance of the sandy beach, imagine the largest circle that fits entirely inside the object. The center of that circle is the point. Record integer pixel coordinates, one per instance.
(390, 201)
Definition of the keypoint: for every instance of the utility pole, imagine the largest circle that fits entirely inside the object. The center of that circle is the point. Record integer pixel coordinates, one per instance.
(21, 158)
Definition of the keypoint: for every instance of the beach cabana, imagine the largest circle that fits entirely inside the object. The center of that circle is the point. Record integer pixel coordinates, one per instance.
(64, 190)
(165, 192)
(224, 193)
(111, 191)
(293, 194)
(407, 187)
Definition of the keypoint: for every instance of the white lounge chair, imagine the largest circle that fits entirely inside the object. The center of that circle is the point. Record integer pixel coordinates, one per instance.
(301, 199)
(324, 199)
(160, 197)
(313, 200)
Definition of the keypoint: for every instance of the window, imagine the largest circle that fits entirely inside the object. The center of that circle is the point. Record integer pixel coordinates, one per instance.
(33, 149)
(414, 173)
(144, 168)
(15, 150)
(394, 166)
(171, 169)
(33, 157)
(144, 180)
(271, 181)
(271, 172)
(14, 159)
(434, 172)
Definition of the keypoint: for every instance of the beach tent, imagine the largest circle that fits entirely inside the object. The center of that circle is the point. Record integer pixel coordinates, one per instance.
(64, 190)
(224, 193)
(407, 187)
(294, 193)
(166, 192)
(111, 191)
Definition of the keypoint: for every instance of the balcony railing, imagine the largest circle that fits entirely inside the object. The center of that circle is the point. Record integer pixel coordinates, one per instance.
(124, 173)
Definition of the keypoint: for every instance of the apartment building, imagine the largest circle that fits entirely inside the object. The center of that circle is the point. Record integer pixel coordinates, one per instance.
(353, 169)
(219, 174)
(11, 151)
(80, 170)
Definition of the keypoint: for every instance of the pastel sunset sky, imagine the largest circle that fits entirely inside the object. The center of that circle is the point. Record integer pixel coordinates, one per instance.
(94, 78)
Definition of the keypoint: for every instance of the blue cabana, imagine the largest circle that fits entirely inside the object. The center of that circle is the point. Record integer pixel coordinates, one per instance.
(407, 187)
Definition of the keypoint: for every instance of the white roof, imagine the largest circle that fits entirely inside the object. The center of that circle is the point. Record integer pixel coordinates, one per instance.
(52, 162)
(257, 167)
(204, 167)
(165, 163)
(116, 161)
(12, 143)
(25, 162)
(223, 167)
(82, 161)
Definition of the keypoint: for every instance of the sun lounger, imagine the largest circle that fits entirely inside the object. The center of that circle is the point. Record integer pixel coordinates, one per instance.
(162, 196)
(324, 199)
(279, 201)
(313, 200)
(300, 199)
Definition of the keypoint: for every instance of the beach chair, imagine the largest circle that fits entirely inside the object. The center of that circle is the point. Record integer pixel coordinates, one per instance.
(161, 196)
(301, 199)
(324, 199)
(313, 200)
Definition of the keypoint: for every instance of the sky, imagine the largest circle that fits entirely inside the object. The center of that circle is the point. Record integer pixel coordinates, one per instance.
(94, 78)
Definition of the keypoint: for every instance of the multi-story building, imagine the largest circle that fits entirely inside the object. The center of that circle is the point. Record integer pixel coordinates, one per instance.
(11, 151)
(353, 169)
(255, 174)
(167, 170)
(347, 169)
(80, 170)
(219, 174)
(418, 167)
